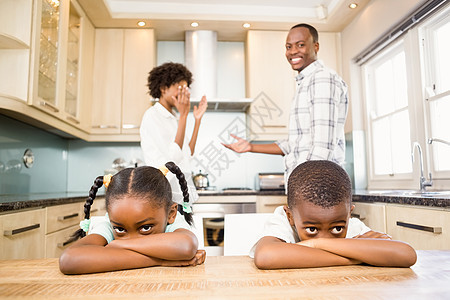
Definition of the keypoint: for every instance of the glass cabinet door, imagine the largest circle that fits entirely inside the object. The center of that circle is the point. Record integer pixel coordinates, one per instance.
(48, 52)
(73, 54)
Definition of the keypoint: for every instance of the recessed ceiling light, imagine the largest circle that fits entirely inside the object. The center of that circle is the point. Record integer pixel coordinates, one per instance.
(246, 25)
(141, 23)
(194, 24)
(352, 5)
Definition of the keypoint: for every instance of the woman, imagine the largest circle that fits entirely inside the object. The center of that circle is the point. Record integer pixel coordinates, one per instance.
(163, 132)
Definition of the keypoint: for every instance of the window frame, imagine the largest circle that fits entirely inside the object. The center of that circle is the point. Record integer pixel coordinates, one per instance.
(419, 68)
(441, 179)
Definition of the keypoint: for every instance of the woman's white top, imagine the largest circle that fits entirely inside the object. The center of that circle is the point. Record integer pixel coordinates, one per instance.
(158, 131)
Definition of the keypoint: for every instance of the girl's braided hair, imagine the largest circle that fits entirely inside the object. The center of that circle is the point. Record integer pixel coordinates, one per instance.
(145, 182)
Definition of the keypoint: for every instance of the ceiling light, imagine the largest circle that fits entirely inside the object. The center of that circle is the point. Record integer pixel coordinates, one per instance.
(141, 23)
(352, 5)
(194, 24)
(246, 25)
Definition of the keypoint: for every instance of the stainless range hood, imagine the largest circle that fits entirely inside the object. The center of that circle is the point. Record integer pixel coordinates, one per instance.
(201, 60)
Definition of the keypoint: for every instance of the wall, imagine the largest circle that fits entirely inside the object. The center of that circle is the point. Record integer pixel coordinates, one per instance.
(373, 21)
(49, 171)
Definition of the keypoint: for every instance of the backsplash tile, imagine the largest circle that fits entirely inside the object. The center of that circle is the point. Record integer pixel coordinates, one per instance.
(49, 171)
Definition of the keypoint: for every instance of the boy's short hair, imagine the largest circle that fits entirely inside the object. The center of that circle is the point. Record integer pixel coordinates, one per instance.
(322, 182)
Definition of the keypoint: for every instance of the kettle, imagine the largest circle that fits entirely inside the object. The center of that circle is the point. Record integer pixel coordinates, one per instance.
(201, 180)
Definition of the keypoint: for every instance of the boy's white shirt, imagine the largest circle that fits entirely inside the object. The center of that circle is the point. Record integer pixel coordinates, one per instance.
(102, 226)
(278, 226)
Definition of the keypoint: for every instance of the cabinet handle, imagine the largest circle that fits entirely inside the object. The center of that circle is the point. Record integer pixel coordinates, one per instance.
(105, 126)
(94, 210)
(420, 227)
(72, 119)
(63, 218)
(358, 216)
(274, 126)
(130, 126)
(48, 105)
(20, 230)
(62, 245)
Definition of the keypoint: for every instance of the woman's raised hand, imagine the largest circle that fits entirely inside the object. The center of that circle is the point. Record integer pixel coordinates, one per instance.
(200, 110)
(182, 101)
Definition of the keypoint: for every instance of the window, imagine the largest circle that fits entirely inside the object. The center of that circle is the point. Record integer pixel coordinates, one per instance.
(388, 114)
(436, 60)
(407, 99)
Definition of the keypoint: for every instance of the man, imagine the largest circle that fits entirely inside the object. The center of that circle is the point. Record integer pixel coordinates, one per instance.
(319, 108)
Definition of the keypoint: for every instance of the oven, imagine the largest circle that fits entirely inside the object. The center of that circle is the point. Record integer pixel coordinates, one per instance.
(211, 216)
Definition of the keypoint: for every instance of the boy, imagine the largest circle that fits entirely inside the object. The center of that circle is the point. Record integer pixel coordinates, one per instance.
(315, 228)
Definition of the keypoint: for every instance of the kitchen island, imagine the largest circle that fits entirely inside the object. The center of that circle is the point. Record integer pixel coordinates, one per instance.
(225, 277)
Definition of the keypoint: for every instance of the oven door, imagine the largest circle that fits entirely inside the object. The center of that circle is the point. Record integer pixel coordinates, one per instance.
(211, 217)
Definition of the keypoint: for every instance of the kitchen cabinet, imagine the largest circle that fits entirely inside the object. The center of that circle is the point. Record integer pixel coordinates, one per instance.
(267, 204)
(371, 214)
(15, 38)
(22, 234)
(60, 30)
(98, 208)
(423, 228)
(270, 82)
(62, 222)
(42, 232)
(45, 46)
(123, 59)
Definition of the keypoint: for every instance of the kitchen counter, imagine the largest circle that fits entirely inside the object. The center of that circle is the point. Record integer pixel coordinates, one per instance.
(18, 202)
(226, 277)
(437, 201)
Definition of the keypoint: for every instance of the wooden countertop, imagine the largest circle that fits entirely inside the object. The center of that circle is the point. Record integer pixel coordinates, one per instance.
(231, 277)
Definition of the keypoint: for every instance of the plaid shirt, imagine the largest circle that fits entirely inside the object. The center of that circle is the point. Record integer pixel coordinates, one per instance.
(316, 121)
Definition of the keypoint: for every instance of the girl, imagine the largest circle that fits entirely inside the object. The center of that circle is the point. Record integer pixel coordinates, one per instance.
(142, 228)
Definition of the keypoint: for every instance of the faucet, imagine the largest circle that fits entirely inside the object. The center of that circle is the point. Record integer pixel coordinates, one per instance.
(431, 140)
(423, 181)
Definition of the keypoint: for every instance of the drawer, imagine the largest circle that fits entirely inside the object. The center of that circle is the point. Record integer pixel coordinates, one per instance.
(22, 235)
(63, 216)
(371, 214)
(98, 207)
(267, 204)
(423, 228)
(55, 242)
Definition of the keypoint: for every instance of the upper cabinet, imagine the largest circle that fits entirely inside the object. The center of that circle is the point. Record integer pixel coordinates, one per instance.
(15, 37)
(270, 82)
(45, 46)
(60, 30)
(123, 59)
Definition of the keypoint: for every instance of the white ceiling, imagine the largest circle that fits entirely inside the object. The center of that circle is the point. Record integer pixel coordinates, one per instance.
(171, 18)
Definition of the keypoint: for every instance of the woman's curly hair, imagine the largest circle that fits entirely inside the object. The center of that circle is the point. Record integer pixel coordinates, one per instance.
(165, 75)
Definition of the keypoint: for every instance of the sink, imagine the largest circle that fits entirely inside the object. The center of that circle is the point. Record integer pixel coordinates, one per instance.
(412, 193)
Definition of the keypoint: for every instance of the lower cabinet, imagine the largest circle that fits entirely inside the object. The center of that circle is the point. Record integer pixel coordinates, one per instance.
(63, 221)
(372, 214)
(56, 242)
(43, 232)
(422, 228)
(98, 207)
(267, 204)
(22, 234)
